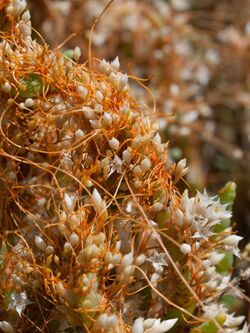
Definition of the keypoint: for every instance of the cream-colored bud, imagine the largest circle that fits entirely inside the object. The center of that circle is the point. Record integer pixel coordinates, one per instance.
(185, 248)
(6, 87)
(114, 143)
(116, 259)
(79, 134)
(77, 53)
(156, 207)
(122, 82)
(115, 64)
(179, 216)
(140, 260)
(146, 164)
(107, 118)
(40, 244)
(82, 91)
(127, 260)
(73, 239)
(99, 96)
(29, 102)
(6, 327)
(127, 155)
(49, 250)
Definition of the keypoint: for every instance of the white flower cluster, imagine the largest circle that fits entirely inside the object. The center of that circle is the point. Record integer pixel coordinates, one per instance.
(201, 213)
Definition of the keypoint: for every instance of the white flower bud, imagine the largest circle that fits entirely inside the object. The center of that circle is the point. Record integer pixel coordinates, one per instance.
(209, 272)
(60, 289)
(96, 124)
(115, 64)
(215, 257)
(99, 204)
(122, 82)
(6, 327)
(19, 267)
(69, 201)
(206, 263)
(40, 244)
(100, 238)
(99, 96)
(180, 165)
(6, 87)
(127, 155)
(79, 134)
(138, 326)
(137, 170)
(127, 260)
(73, 239)
(77, 53)
(88, 112)
(140, 260)
(146, 164)
(156, 207)
(25, 29)
(116, 259)
(82, 91)
(211, 285)
(105, 67)
(92, 251)
(26, 16)
(179, 217)
(154, 278)
(232, 240)
(114, 143)
(49, 250)
(128, 271)
(108, 257)
(185, 248)
(41, 202)
(107, 118)
(17, 280)
(29, 102)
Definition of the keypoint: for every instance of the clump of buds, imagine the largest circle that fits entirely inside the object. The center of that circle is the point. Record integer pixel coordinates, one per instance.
(94, 232)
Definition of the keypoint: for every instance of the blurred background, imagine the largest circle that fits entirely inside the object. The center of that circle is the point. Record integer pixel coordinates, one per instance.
(194, 56)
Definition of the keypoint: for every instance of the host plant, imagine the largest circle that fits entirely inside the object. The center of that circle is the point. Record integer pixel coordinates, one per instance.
(95, 235)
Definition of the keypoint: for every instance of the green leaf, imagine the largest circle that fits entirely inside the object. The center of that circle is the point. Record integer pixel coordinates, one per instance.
(69, 53)
(228, 300)
(227, 196)
(210, 326)
(33, 86)
(225, 265)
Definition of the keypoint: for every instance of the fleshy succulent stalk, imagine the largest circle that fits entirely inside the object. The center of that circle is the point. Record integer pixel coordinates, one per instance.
(94, 233)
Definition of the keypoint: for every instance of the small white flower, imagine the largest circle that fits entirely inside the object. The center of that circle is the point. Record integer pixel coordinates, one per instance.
(232, 240)
(231, 243)
(215, 257)
(19, 301)
(69, 201)
(152, 325)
